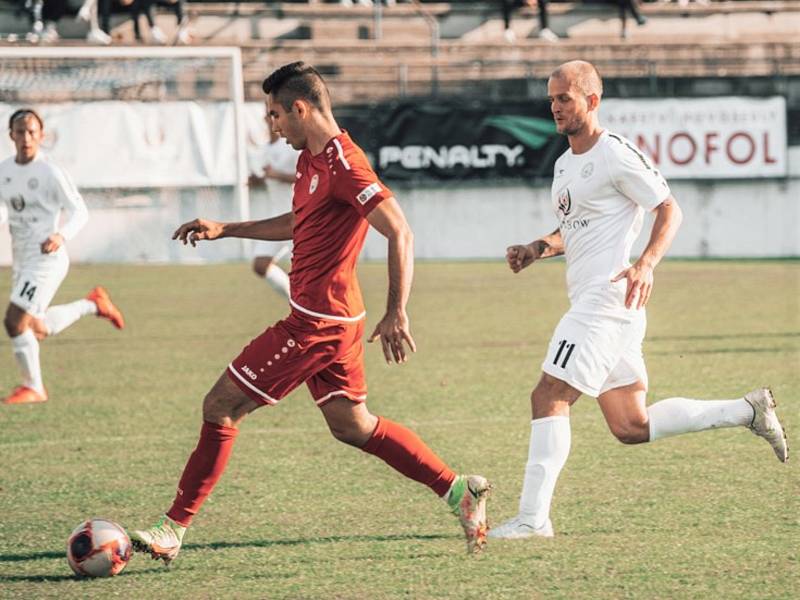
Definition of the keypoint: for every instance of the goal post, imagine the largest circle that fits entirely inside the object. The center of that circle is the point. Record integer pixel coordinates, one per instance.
(149, 135)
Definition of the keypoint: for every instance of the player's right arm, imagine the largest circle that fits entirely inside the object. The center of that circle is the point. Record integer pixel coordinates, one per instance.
(393, 330)
(274, 230)
(520, 256)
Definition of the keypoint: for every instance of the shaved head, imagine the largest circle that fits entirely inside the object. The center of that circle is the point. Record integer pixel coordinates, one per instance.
(581, 75)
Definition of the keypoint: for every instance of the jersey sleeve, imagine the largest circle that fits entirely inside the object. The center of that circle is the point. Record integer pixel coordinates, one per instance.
(635, 176)
(3, 211)
(357, 184)
(75, 212)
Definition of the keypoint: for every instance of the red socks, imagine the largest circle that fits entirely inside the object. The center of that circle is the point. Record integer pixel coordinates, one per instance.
(405, 452)
(399, 447)
(202, 471)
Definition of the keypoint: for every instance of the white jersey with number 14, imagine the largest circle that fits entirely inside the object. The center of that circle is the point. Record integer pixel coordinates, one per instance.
(32, 199)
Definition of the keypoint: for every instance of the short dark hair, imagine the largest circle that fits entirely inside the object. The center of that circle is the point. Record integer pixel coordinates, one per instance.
(22, 113)
(294, 81)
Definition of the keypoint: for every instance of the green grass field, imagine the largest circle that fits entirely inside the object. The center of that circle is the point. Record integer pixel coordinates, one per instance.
(299, 515)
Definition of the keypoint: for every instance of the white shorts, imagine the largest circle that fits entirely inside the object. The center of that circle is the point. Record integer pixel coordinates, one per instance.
(595, 352)
(35, 283)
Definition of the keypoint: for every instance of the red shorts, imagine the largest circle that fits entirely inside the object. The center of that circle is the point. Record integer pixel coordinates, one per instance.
(327, 355)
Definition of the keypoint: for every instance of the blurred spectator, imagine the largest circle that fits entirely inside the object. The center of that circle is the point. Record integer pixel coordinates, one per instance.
(631, 6)
(177, 6)
(509, 6)
(88, 13)
(34, 8)
(366, 2)
(52, 12)
(687, 2)
(147, 8)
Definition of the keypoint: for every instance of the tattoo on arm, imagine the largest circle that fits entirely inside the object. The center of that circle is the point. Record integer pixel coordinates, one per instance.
(550, 245)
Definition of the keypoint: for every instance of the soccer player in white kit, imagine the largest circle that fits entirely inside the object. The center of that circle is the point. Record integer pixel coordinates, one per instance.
(34, 194)
(601, 187)
(276, 171)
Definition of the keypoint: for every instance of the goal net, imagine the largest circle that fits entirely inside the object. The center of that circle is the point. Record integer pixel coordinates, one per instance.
(151, 137)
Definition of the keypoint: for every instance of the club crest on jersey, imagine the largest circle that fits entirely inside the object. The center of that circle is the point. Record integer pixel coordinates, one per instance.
(565, 202)
(312, 187)
(587, 170)
(18, 203)
(33, 183)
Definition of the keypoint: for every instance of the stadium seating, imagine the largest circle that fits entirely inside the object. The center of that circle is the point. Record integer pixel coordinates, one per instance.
(457, 47)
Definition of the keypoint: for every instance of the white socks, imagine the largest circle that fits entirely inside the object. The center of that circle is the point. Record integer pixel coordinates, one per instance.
(682, 415)
(277, 279)
(549, 447)
(26, 353)
(58, 318)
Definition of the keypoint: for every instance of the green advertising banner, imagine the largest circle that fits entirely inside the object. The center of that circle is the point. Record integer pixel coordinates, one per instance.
(451, 140)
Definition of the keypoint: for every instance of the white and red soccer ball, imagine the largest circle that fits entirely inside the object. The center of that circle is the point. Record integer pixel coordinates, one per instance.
(98, 548)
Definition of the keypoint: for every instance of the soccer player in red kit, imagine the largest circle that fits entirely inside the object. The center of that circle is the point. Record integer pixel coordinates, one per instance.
(337, 196)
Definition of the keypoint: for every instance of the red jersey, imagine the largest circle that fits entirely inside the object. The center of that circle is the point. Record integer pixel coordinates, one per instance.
(333, 193)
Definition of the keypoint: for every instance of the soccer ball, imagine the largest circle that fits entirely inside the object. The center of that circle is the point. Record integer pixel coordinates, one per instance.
(98, 548)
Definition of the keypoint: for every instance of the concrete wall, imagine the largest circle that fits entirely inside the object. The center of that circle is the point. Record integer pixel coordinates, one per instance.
(721, 219)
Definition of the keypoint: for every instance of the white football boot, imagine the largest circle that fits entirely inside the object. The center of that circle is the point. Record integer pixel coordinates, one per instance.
(519, 529)
(765, 422)
(467, 500)
(162, 541)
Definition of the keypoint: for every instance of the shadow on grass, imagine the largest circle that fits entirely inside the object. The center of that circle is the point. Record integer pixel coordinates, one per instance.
(71, 577)
(41, 578)
(681, 352)
(32, 556)
(723, 336)
(333, 539)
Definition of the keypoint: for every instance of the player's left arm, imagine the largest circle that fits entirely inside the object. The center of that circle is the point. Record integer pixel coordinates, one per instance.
(639, 276)
(74, 210)
(394, 329)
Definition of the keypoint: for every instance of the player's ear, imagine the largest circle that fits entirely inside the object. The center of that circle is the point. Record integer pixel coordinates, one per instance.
(301, 107)
(593, 101)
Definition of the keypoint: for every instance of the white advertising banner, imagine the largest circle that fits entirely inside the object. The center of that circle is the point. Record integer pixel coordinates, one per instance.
(705, 138)
(174, 144)
(142, 144)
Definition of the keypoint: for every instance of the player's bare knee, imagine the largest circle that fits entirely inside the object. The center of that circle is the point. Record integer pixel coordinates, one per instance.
(348, 434)
(225, 404)
(14, 326)
(215, 409)
(354, 433)
(352, 427)
(631, 433)
(551, 397)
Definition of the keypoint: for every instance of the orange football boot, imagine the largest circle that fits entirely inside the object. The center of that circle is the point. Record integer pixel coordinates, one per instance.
(25, 395)
(106, 308)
